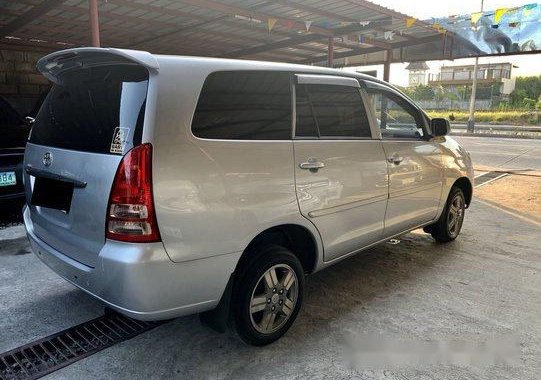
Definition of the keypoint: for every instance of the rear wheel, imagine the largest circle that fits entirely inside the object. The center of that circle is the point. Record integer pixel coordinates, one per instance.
(448, 226)
(267, 295)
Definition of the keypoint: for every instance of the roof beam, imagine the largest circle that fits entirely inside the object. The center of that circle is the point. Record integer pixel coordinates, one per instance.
(361, 51)
(34, 13)
(290, 42)
(321, 12)
(235, 10)
(203, 21)
(389, 12)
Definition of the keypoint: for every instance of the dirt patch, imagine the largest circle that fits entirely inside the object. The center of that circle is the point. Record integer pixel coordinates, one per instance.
(518, 192)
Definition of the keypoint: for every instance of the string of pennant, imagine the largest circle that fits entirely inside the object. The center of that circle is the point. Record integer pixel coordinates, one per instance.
(520, 13)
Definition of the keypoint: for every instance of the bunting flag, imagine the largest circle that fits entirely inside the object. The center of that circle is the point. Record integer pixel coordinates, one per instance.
(271, 22)
(288, 24)
(307, 25)
(364, 23)
(475, 17)
(410, 21)
(499, 14)
(389, 35)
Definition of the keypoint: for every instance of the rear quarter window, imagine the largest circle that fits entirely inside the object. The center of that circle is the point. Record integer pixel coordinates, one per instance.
(97, 109)
(244, 105)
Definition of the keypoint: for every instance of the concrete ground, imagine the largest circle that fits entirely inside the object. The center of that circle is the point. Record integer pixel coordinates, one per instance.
(485, 285)
(503, 152)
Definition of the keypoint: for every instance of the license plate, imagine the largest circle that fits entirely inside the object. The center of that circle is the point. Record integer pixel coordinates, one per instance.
(7, 179)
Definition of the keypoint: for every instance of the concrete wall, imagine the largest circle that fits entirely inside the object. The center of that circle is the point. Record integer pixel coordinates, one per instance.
(480, 104)
(20, 83)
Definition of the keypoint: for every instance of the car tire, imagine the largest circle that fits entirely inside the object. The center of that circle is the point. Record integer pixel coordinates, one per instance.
(267, 295)
(448, 226)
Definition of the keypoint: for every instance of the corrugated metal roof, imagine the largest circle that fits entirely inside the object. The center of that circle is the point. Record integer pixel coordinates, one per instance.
(234, 28)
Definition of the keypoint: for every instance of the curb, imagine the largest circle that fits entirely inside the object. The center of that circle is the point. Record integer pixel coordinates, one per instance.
(530, 135)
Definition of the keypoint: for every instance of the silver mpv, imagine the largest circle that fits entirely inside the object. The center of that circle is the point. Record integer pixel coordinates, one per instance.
(166, 186)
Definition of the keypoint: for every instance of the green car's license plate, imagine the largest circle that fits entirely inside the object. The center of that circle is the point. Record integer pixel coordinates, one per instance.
(7, 179)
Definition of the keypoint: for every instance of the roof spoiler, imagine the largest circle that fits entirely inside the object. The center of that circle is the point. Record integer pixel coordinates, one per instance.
(53, 65)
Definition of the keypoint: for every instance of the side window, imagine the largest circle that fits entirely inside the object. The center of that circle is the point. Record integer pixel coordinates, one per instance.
(330, 111)
(244, 105)
(396, 119)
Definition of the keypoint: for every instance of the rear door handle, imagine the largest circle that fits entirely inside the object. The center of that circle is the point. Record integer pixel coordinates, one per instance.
(312, 164)
(45, 174)
(395, 159)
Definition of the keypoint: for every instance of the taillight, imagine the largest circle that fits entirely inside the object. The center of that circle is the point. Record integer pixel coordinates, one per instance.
(130, 212)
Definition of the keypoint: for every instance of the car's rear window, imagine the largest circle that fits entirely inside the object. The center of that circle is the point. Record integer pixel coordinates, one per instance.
(244, 105)
(97, 109)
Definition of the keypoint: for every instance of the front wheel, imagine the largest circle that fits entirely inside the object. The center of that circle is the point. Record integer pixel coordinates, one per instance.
(267, 295)
(448, 226)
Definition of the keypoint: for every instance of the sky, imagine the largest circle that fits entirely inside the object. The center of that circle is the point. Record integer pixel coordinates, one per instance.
(425, 9)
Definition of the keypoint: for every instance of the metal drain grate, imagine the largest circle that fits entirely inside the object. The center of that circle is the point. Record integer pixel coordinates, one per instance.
(485, 178)
(46, 355)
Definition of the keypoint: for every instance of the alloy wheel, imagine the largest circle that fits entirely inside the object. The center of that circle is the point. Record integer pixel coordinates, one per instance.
(455, 216)
(273, 298)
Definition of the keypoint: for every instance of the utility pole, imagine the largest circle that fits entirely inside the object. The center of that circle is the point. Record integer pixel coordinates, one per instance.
(471, 118)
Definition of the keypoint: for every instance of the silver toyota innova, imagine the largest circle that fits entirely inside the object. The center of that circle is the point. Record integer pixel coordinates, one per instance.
(167, 185)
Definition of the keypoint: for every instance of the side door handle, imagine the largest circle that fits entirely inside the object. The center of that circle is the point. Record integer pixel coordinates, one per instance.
(395, 159)
(312, 164)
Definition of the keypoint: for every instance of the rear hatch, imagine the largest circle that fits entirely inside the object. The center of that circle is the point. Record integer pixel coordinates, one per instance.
(92, 116)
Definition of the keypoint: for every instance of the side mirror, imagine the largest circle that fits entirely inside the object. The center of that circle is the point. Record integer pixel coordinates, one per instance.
(29, 120)
(440, 127)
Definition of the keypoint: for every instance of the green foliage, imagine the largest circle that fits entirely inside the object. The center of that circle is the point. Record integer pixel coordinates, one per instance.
(528, 103)
(512, 117)
(422, 92)
(526, 88)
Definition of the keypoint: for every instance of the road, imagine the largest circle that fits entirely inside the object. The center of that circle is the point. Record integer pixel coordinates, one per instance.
(505, 153)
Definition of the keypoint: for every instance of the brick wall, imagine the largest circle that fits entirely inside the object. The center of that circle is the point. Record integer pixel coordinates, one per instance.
(20, 83)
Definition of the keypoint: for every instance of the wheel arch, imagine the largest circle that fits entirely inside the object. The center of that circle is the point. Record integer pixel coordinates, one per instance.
(297, 238)
(464, 184)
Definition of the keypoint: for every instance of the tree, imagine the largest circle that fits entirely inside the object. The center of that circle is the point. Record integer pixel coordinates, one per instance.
(421, 92)
(526, 87)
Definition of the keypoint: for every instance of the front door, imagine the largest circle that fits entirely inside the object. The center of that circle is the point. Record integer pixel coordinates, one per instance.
(340, 170)
(413, 161)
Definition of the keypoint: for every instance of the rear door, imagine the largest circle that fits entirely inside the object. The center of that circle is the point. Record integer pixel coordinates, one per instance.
(340, 170)
(413, 160)
(91, 117)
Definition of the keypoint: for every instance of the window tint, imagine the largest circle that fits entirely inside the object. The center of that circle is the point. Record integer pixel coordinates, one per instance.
(244, 105)
(306, 124)
(97, 109)
(330, 111)
(396, 119)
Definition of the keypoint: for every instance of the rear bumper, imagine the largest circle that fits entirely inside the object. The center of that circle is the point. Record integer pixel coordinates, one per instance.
(139, 280)
(18, 195)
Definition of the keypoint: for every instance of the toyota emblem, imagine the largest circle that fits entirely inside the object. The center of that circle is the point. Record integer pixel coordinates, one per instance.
(47, 159)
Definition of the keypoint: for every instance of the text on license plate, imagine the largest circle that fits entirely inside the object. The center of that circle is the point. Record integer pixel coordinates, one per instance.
(7, 178)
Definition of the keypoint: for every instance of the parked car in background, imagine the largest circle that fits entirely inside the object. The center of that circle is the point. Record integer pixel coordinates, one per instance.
(14, 130)
(166, 186)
